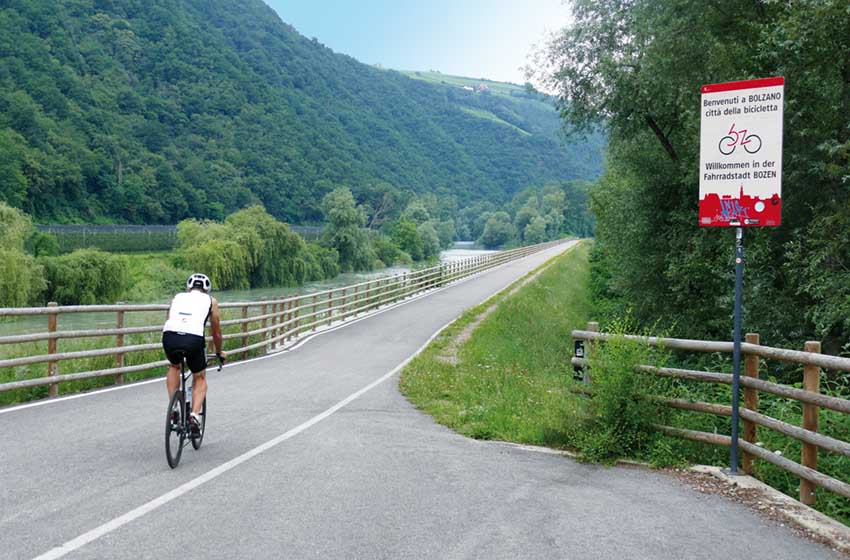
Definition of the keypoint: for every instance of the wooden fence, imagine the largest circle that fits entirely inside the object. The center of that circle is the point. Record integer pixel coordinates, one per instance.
(812, 401)
(261, 326)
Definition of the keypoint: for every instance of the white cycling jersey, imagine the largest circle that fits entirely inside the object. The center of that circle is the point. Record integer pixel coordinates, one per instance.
(189, 313)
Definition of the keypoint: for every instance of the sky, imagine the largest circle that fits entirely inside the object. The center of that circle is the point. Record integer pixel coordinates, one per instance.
(476, 38)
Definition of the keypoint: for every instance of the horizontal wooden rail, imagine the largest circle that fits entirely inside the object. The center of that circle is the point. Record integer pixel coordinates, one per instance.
(825, 401)
(780, 354)
(40, 381)
(790, 430)
(281, 320)
(810, 397)
(820, 479)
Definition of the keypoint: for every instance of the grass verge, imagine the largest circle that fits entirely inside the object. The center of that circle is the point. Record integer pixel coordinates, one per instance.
(510, 380)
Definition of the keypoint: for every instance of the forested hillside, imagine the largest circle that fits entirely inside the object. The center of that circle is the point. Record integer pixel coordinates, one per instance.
(152, 111)
(638, 67)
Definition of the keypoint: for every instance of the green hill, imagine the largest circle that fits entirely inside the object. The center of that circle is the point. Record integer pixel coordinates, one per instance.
(151, 111)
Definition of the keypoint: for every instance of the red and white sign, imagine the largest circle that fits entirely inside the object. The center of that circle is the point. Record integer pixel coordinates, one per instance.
(741, 153)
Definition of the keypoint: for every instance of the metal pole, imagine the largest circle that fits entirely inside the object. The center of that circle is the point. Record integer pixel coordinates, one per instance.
(736, 349)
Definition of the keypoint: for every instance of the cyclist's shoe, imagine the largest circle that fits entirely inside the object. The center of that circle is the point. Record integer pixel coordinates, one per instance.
(194, 425)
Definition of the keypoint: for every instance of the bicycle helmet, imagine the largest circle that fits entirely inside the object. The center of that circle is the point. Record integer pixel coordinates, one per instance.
(199, 281)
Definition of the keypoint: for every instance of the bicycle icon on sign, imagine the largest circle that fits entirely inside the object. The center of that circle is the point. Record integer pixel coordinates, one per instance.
(750, 142)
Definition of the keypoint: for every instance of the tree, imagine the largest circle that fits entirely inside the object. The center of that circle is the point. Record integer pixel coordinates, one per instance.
(430, 240)
(497, 231)
(405, 235)
(636, 67)
(345, 232)
(526, 214)
(535, 231)
(21, 277)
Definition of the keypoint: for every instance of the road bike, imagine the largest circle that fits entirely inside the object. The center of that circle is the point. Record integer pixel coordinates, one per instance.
(177, 429)
(750, 142)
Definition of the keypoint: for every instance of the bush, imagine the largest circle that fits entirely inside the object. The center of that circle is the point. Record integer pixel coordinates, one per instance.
(43, 244)
(21, 279)
(252, 249)
(157, 280)
(406, 237)
(497, 231)
(430, 240)
(387, 252)
(618, 418)
(323, 262)
(86, 277)
(226, 262)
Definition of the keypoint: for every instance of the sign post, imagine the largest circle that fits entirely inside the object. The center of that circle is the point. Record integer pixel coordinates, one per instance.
(741, 180)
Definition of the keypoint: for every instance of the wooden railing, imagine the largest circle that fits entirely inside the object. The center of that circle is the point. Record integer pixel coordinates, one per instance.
(261, 326)
(810, 397)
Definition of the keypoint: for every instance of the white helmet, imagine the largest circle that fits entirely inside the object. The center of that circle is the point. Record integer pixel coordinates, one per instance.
(199, 281)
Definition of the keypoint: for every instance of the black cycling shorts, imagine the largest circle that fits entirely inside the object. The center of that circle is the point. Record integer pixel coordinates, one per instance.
(194, 347)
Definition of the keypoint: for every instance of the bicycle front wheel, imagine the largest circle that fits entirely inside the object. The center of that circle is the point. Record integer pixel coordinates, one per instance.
(196, 440)
(727, 145)
(175, 429)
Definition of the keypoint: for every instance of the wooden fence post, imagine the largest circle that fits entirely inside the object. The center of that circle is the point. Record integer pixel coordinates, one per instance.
(275, 321)
(368, 299)
(592, 326)
(119, 342)
(751, 402)
(290, 328)
(244, 331)
(52, 367)
(264, 309)
(811, 382)
(342, 305)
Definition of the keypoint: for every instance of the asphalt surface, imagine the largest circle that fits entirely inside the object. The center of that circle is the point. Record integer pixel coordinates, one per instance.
(299, 461)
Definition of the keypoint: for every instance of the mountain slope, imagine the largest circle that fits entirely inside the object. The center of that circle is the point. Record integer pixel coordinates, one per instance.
(154, 110)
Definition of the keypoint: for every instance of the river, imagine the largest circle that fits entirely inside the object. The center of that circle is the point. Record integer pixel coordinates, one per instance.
(80, 321)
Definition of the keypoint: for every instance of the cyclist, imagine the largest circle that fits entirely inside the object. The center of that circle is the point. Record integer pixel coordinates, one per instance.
(183, 333)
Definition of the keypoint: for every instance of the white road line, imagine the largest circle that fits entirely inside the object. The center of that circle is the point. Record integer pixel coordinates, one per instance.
(120, 521)
(301, 343)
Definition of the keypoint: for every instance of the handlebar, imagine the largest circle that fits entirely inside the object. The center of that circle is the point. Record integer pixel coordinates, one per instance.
(218, 357)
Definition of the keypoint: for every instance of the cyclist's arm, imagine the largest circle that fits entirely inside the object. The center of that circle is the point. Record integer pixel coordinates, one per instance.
(215, 327)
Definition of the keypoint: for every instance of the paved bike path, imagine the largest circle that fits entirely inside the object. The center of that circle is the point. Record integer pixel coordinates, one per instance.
(375, 479)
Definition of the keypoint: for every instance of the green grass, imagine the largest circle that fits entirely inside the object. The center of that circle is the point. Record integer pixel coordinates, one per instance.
(513, 376)
(487, 115)
(500, 88)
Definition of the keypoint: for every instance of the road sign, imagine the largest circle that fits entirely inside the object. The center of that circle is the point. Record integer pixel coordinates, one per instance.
(578, 352)
(741, 153)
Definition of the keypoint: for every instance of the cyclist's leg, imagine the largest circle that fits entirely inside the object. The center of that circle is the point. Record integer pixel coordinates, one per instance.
(174, 352)
(199, 390)
(196, 359)
(172, 379)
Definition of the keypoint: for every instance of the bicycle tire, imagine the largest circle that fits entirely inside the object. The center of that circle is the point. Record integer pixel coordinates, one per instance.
(733, 145)
(175, 429)
(750, 139)
(196, 441)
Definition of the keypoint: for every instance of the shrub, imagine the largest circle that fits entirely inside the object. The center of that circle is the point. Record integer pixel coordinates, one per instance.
(322, 262)
(618, 418)
(21, 279)
(226, 263)
(388, 252)
(86, 277)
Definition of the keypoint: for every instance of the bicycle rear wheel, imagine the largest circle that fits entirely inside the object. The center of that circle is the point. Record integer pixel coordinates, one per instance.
(175, 429)
(196, 441)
